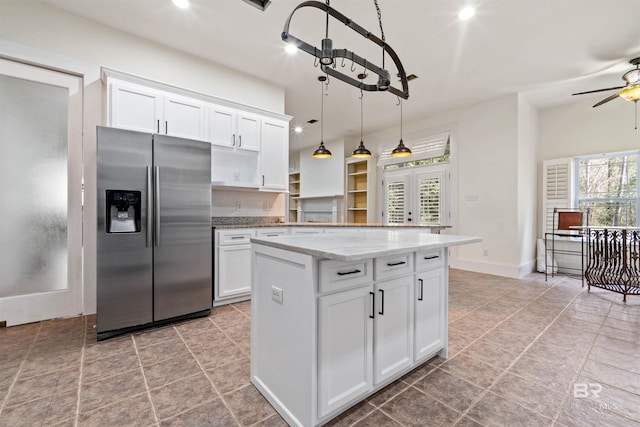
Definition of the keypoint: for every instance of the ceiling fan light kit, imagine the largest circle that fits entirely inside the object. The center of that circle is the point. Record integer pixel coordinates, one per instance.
(630, 92)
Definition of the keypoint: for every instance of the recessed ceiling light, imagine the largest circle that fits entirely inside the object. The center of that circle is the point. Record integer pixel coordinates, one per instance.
(182, 4)
(297, 129)
(290, 48)
(466, 13)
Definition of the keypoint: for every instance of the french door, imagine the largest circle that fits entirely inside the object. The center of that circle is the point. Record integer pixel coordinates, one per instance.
(41, 187)
(416, 195)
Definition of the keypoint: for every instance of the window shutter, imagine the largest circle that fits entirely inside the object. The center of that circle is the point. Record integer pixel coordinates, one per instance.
(556, 189)
(422, 147)
(396, 201)
(429, 191)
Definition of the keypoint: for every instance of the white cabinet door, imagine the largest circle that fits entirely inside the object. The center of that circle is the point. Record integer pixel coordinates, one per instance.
(135, 108)
(234, 270)
(223, 126)
(248, 132)
(184, 118)
(429, 313)
(393, 329)
(345, 348)
(275, 155)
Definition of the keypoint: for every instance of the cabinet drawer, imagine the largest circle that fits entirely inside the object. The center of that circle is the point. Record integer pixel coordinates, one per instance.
(427, 260)
(393, 265)
(338, 275)
(271, 232)
(235, 237)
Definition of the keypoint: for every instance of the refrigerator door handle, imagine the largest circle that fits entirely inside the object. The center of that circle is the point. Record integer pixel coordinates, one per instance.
(156, 211)
(149, 208)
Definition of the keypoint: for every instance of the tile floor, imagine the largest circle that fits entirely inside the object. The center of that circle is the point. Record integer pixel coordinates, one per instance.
(522, 352)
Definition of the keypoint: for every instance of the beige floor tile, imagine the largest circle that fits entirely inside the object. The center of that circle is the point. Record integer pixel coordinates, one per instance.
(135, 411)
(449, 389)
(248, 405)
(209, 414)
(414, 408)
(493, 410)
(180, 396)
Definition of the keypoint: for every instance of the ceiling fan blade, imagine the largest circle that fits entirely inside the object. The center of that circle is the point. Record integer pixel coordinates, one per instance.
(607, 99)
(599, 90)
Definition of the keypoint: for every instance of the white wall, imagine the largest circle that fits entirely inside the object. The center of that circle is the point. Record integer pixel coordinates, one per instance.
(246, 203)
(41, 26)
(487, 155)
(42, 35)
(322, 177)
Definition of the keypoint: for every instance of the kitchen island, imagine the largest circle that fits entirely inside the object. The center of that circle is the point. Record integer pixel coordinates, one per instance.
(337, 317)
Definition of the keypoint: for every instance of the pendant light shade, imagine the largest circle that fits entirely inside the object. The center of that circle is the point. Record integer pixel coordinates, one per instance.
(321, 152)
(401, 150)
(361, 152)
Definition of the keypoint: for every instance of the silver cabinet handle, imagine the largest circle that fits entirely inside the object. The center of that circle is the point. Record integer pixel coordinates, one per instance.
(150, 206)
(156, 179)
(158, 125)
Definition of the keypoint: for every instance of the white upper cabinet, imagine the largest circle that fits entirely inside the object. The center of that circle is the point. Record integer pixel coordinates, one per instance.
(139, 108)
(275, 155)
(184, 117)
(234, 129)
(250, 146)
(135, 108)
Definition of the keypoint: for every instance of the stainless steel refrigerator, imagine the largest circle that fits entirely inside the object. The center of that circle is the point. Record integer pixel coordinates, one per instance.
(154, 230)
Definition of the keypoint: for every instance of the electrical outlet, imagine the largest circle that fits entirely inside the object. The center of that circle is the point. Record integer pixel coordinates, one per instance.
(485, 252)
(238, 206)
(277, 294)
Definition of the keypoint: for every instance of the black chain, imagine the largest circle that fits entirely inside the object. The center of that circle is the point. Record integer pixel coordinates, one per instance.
(379, 18)
(381, 30)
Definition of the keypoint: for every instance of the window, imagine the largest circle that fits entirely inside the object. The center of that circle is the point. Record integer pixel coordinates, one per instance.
(608, 186)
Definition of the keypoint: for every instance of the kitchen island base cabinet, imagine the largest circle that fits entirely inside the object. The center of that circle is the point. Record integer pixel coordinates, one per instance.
(321, 349)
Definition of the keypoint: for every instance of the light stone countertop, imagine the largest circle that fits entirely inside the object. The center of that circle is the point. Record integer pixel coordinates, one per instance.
(364, 244)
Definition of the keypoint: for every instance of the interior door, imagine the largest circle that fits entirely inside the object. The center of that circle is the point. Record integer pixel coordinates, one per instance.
(416, 196)
(41, 182)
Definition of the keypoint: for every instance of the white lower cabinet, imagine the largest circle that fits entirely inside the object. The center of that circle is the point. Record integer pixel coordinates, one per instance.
(430, 313)
(393, 327)
(232, 265)
(345, 347)
(234, 271)
(365, 338)
(344, 330)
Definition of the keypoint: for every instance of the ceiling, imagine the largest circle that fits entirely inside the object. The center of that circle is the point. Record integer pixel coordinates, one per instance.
(545, 49)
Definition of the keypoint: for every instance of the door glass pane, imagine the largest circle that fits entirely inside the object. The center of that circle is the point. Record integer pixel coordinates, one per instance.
(429, 200)
(395, 202)
(33, 185)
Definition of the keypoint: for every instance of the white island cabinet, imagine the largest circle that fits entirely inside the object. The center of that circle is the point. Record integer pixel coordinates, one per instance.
(337, 317)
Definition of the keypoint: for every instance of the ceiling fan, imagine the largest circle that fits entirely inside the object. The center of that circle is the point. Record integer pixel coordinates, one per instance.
(630, 91)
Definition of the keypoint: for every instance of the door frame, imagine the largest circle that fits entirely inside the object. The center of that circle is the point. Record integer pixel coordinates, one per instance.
(82, 301)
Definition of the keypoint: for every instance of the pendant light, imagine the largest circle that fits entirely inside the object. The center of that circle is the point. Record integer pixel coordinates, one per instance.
(321, 152)
(361, 152)
(401, 150)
